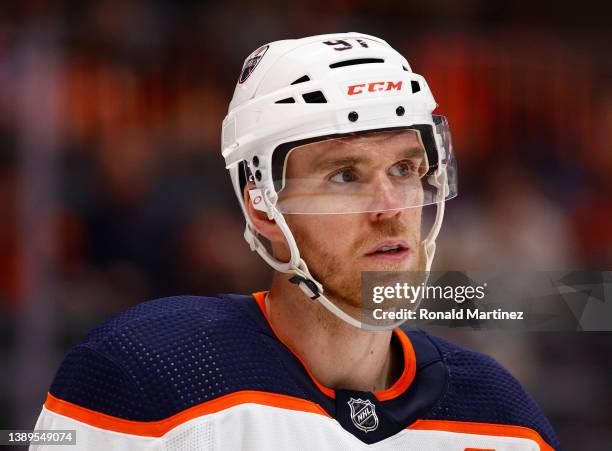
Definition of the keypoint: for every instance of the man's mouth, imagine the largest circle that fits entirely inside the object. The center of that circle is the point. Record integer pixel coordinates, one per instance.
(391, 248)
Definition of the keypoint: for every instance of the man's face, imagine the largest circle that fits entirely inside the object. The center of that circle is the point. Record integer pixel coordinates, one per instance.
(374, 181)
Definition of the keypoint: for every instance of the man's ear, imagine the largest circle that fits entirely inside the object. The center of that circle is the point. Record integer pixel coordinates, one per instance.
(266, 227)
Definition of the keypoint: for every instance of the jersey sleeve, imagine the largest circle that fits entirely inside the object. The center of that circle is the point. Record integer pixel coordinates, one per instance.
(480, 390)
(89, 388)
(89, 438)
(90, 379)
(153, 377)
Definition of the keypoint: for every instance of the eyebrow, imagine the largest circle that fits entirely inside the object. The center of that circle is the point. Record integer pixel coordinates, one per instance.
(325, 164)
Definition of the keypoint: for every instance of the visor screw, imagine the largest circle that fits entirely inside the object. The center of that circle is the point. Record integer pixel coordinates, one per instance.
(255, 161)
(400, 111)
(353, 116)
(258, 175)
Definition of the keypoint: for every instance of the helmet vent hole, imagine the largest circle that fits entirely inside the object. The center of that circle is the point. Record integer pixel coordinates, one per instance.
(356, 61)
(314, 97)
(416, 87)
(287, 100)
(405, 68)
(301, 80)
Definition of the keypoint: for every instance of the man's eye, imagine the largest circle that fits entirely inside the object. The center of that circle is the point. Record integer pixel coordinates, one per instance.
(402, 169)
(343, 176)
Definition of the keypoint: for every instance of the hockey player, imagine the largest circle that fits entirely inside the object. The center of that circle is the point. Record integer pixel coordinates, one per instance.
(333, 151)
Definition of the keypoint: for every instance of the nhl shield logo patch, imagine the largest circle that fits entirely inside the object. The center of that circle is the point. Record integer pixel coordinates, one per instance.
(251, 63)
(363, 414)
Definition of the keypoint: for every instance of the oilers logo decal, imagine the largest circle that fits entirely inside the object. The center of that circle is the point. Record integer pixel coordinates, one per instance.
(363, 414)
(251, 63)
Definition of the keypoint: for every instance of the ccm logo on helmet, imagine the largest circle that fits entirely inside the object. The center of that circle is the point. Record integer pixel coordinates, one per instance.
(374, 86)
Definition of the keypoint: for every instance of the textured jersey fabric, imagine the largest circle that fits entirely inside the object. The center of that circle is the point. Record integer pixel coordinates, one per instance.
(190, 372)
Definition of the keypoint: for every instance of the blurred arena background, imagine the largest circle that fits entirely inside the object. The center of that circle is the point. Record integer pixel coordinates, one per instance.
(113, 189)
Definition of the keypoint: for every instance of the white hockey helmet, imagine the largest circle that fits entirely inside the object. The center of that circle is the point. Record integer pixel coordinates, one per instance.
(293, 93)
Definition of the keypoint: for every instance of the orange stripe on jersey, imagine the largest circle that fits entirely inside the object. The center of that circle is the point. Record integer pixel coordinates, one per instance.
(404, 381)
(499, 430)
(399, 387)
(159, 428)
(260, 297)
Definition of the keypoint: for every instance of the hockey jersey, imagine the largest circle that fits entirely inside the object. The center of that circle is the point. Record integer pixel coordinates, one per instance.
(208, 373)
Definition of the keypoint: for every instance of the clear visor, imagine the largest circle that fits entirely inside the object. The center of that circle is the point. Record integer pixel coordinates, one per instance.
(368, 172)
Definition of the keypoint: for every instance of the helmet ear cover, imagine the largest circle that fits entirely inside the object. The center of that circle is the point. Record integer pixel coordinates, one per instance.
(280, 153)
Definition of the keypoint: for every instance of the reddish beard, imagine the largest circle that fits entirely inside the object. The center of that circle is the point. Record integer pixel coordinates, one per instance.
(340, 276)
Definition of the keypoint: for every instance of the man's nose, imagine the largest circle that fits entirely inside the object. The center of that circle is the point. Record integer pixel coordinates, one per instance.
(386, 198)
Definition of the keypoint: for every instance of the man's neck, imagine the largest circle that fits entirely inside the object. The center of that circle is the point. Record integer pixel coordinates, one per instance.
(338, 354)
